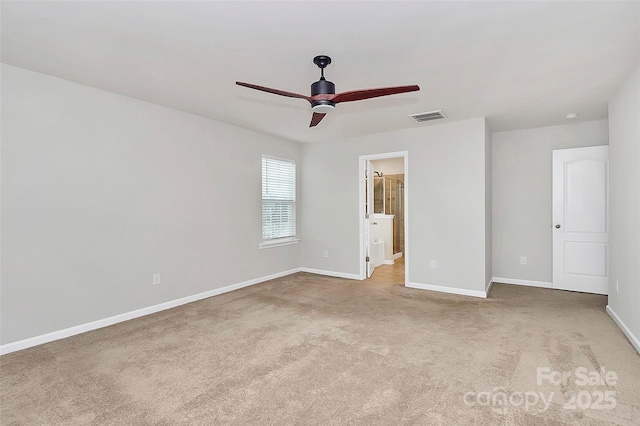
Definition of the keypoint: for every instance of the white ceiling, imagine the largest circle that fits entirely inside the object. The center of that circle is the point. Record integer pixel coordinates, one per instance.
(521, 64)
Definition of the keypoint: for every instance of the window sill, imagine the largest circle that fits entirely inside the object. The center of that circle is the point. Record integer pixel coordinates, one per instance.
(279, 242)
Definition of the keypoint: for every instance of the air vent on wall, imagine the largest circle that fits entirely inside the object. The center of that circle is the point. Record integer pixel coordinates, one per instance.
(428, 116)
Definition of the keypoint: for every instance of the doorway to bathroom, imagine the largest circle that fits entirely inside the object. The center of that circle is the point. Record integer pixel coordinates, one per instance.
(383, 217)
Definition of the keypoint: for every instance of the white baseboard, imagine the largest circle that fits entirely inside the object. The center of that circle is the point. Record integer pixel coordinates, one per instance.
(633, 339)
(487, 288)
(452, 290)
(389, 262)
(331, 273)
(83, 328)
(397, 255)
(529, 283)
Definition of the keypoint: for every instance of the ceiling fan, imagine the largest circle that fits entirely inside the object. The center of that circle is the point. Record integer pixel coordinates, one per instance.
(323, 92)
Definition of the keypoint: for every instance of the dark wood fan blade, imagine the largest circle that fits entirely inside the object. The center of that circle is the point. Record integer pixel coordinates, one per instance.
(274, 91)
(358, 95)
(316, 118)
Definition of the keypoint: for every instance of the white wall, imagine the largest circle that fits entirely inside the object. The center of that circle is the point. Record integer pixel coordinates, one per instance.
(100, 191)
(522, 224)
(446, 191)
(488, 206)
(624, 207)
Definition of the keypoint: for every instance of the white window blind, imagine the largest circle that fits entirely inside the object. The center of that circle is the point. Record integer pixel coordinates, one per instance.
(278, 198)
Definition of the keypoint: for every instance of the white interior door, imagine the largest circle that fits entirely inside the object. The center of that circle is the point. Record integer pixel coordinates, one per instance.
(368, 216)
(580, 219)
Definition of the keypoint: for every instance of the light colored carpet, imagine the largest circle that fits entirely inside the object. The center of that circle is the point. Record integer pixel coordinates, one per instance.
(313, 350)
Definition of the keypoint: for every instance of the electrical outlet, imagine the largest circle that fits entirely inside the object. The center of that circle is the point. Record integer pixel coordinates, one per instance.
(523, 260)
(434, 264)
(156, 279)
(326, 253)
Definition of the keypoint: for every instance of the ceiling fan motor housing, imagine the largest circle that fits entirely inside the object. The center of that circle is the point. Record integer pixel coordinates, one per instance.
(323, 87)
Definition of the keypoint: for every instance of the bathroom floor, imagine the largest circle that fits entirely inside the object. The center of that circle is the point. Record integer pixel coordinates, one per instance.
(389, 274)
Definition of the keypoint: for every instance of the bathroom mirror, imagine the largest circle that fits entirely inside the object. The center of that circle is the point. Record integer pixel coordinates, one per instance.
(378, 195)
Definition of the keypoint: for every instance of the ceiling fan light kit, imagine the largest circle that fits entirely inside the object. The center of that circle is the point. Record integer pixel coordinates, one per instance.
(322, 108)
(323, 92)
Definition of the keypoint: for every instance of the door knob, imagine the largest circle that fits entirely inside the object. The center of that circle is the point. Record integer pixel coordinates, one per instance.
(557, 226)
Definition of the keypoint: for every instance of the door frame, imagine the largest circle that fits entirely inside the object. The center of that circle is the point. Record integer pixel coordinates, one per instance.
(369, 202)
(361, 207)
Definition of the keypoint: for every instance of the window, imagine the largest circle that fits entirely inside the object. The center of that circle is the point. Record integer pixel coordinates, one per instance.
(278, 201)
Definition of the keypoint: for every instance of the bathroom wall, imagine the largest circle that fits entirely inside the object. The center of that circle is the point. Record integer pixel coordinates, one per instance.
(389, 166)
